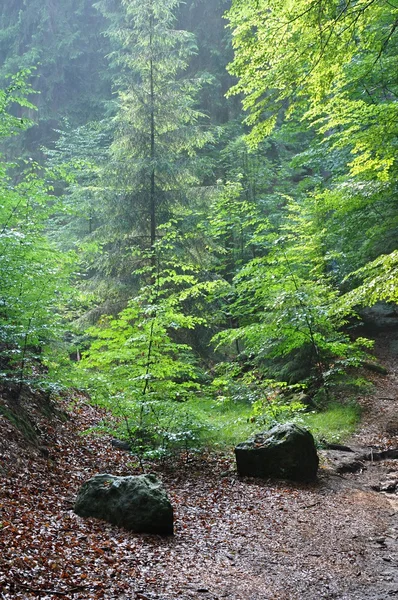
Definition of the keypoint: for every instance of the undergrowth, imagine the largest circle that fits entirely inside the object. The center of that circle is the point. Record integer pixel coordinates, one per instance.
(225, 425)
(335, 423)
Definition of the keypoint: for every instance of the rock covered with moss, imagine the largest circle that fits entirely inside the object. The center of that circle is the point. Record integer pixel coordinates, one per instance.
(137, 503)
(286, 451)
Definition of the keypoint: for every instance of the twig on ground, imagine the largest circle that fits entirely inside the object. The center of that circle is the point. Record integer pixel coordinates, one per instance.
(310, 505)
(78, 588)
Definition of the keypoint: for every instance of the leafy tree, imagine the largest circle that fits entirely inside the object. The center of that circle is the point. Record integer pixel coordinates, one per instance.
(334, 60)
(15, 94)
(290, 324)
(138, 366)
(33, 274)
(333, 67)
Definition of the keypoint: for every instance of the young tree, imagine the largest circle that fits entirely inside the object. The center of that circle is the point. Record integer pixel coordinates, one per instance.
(287, 307)
(137, 364)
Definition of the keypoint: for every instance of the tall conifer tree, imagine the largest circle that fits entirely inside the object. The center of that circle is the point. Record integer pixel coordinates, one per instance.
(157, 127)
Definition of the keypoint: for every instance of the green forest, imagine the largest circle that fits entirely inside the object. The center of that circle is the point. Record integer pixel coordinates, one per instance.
(198, 205)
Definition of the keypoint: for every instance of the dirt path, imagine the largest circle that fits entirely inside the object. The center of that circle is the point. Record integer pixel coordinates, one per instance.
(235, 538)
(379, 429)
(334, 540)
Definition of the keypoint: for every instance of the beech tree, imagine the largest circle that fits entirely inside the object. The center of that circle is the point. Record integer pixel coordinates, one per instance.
(34, 274)
(332, 66)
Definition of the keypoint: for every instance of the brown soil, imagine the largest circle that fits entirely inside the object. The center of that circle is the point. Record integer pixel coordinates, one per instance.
(235, 538)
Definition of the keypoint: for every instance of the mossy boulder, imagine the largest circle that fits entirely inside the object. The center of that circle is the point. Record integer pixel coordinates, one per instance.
(137, 503)
(286, 451)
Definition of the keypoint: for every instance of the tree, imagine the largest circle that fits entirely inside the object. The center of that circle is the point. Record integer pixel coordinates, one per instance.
(205, 19)
(289, 318)
(331, 66)
(156, 124)
(328, 58)
(149, 178)
(138, 366)
(33, 274)
(63, 42)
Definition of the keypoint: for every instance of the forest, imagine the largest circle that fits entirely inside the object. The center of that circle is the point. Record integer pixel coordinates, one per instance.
(198, 200)
(198, 219)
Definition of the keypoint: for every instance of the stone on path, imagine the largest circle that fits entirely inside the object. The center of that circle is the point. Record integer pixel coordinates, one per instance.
(285, 451)
(138, 503)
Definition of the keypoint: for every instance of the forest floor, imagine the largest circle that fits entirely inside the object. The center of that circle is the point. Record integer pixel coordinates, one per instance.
(235, 538)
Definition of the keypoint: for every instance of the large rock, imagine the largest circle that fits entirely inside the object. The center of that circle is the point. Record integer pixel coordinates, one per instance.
(382, 315)
(285, 451)
(138, 503)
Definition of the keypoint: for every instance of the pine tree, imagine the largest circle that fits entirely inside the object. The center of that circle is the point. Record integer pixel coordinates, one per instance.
(157, 129)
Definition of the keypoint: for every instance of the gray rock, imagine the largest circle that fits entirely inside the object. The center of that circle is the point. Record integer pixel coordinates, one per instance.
(121, 444)
(382, 315)
(138, 503)
(285, 451)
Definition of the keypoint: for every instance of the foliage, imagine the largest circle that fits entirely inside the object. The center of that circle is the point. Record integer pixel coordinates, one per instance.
(204, 18)
(332, 67)
(286, 307)
(274, 408)
(15, 94)
(318, 56)
(33, 274)
(278, 233)
(228, 225)
(137, 364)
(80, 153)
(157, 125)
(63, 41)
(144, 167)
